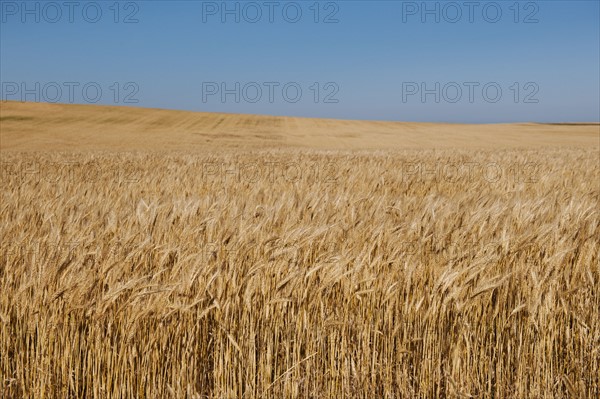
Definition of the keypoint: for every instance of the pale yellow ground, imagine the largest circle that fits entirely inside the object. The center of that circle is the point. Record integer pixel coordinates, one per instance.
(65, 127)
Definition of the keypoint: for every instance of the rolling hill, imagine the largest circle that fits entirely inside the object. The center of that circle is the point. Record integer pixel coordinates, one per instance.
(66, 127)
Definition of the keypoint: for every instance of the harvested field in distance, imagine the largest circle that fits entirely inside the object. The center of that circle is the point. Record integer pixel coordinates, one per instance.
(60, 127)
(165, 254)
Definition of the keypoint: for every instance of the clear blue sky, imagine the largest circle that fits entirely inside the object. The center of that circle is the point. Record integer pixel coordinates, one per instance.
(372, 62)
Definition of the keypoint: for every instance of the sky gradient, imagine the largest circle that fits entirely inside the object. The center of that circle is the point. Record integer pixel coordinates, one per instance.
(480, 62)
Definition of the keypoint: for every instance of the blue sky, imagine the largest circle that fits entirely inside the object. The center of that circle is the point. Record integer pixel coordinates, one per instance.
(390, 60)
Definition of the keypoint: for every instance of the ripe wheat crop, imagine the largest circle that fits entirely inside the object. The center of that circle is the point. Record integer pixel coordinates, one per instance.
(300, 273)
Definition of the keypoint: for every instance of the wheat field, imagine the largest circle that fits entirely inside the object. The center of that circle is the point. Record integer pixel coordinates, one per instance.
(430, 264)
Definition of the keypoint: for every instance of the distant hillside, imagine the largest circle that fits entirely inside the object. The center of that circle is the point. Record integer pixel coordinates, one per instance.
(58, 127)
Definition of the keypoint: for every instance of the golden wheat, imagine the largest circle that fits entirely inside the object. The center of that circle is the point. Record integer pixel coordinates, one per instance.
(300, 273)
